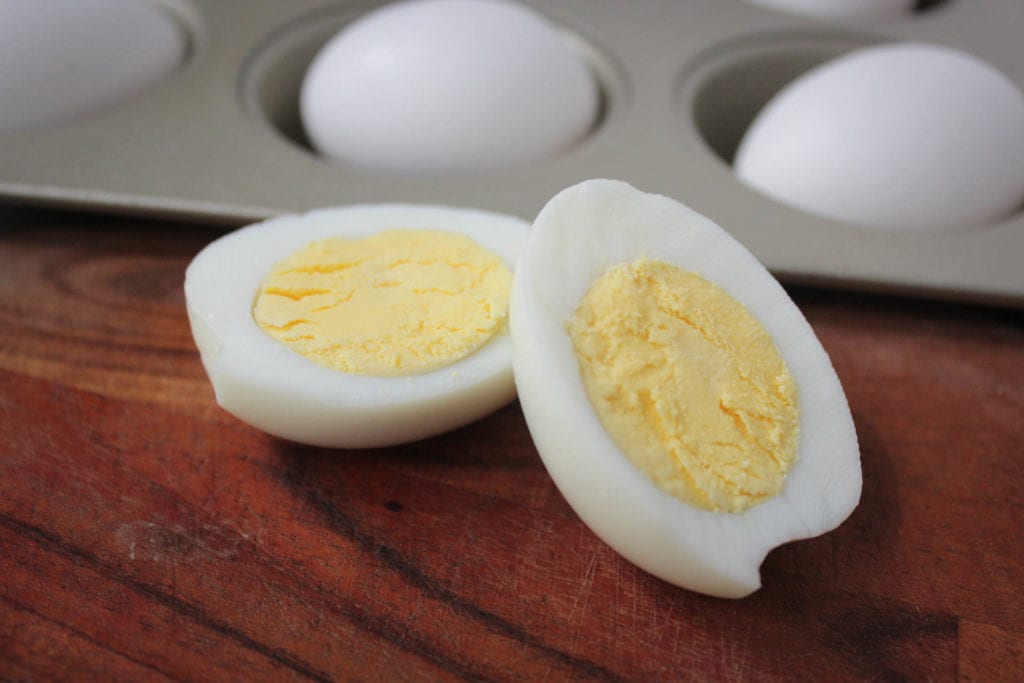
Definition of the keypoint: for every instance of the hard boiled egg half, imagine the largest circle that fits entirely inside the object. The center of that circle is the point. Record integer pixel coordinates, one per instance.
(421, 284)
(676, 395)
(679, 399)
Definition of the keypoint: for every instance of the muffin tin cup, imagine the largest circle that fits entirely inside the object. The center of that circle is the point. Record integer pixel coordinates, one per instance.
(221, 141)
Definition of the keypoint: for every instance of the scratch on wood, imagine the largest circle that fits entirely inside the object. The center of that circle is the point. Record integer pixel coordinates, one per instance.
(158, 542)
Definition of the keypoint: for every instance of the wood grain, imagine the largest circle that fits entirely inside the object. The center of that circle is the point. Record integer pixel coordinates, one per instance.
(147, 535)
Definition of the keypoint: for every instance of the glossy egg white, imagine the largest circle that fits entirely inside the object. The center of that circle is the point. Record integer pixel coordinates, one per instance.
(268, 385)
(580, 233)
(447, 86)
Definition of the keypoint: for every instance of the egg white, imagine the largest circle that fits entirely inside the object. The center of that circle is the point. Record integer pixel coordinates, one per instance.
(268, 385)
(579, 234)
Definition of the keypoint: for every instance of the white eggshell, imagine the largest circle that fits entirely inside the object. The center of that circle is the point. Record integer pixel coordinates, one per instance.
(447, 85)
(841, 9)
(579, 234)
(899, 136)
(268, 385)
(63, 61)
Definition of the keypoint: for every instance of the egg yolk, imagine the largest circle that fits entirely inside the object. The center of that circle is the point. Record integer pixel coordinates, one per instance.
(399, 302)
(688, 384)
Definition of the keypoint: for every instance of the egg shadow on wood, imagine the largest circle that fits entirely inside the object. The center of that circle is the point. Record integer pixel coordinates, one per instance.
(384, 499)
(498, 439)
(475, 460)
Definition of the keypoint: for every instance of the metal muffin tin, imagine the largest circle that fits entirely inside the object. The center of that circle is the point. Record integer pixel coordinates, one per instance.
(220, 140)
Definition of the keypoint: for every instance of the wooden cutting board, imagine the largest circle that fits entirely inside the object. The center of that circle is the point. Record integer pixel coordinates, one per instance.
(145, 534)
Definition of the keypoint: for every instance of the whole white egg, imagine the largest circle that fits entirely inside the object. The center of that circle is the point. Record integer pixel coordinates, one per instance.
(899, 136)
(273, 388)
(841, 9)
(447, 85)
(578, 235)
(63, 61)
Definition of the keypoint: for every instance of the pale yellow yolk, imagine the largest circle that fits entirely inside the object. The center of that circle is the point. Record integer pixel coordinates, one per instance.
(399, 302)
(688, 384)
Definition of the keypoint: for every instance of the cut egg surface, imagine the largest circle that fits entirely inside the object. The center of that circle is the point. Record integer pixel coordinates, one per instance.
(743, 326)
(410, 296)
